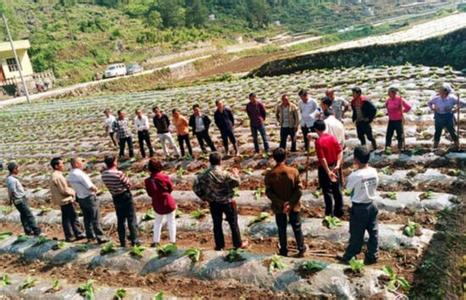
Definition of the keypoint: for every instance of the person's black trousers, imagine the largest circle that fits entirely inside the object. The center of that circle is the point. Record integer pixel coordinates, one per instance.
(228, 135)
(184, 139)
(286, 132)
(332, 192)
(129, 141)
(282, 223)
(444, 121)
(204, 136)
(125, 212)
(306, 130)
(217, 210)
(391, 128)
(112, 137)
(144, 137)
(27, 218)
(91, 214)
(363, 217)
(70, 222)
(363, 129)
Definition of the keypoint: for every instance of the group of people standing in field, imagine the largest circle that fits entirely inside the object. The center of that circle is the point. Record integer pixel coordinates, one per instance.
(216, 186)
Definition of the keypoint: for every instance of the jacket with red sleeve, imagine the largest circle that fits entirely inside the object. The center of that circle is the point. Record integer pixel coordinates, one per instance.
(159, 187)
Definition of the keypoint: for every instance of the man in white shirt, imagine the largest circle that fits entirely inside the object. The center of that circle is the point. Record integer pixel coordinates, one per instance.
(333, 125)
(338, 105)
(363, 184)
(109, 120)
(307, 109)
(141, 122)
(86, 197)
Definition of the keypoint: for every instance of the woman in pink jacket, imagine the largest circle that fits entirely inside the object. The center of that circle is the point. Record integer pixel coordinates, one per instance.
(159, 187)
(396, 107)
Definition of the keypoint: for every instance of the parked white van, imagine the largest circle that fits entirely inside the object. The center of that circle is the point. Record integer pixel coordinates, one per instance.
(115, 70)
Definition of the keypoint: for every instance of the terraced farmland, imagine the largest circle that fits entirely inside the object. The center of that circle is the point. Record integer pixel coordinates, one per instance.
(418, 187)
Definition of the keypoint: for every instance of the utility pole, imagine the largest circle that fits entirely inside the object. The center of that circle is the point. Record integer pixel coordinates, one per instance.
(20, 68)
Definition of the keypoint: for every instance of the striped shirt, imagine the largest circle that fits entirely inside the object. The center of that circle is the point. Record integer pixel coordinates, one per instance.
(115, 181)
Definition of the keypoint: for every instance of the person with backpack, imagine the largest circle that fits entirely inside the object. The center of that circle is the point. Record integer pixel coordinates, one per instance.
(396, 107)
(364, 113)
(362, 183)
(17, 196)
(216, 187)
(159, 187)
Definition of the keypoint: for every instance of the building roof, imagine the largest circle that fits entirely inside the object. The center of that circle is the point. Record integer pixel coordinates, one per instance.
(21, 44)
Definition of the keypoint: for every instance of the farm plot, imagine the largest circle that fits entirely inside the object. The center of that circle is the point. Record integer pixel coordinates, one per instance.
(415, 189)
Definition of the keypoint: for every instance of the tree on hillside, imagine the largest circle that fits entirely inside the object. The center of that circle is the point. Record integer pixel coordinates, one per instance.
(196, 13)
(172, 13)
(257, 13)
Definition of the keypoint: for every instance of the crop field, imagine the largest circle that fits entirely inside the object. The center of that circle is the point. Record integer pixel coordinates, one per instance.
(416, 190)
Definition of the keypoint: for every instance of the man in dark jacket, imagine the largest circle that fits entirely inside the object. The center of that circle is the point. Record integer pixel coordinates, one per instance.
(162, 124)
(216, 186)
(225, 122)
(283, 188)
(363, 114)
(199, 124)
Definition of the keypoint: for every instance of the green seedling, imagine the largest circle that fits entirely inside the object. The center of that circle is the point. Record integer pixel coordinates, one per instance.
(29, 282)
(347, 192)
(21, 239)
(137, 251)
(6, 210)
(426, 195)
(5, 234)
(180, 172)
(59, 246)
(234, 255)
(317, 193)
(332, 222)
(198, 214)
(56, 286)
(312, 266)
(265, 156)
(387, 170)
(158, 296)
(82, 248)
(392, 195)
(40, 241)
(454, 172)
(248, 171)
(388, 151)
(5, 280)
(107, 248)
(411, 229)
(166, 250)
(178, 213)
(149, 215)
(356, 265)
(86, 290)
(276, 263)
(258, 193)
(194, 254)
(119, 294)
(394, 281)
(260, 218)
(44, 210)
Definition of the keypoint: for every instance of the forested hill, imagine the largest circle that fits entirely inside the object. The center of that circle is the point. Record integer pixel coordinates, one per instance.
(77, 38)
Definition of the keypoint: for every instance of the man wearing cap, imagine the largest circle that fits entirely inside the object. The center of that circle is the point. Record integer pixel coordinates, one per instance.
(443, 105)
(86, 197)
(17, 197)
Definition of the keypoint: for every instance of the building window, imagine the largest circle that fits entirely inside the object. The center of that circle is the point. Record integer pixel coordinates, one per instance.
(12, 65)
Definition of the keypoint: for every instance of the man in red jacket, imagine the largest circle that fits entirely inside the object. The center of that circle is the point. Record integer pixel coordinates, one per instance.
(330, 156)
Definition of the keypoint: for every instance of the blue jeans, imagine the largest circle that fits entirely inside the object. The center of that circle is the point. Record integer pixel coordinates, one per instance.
(265, 139)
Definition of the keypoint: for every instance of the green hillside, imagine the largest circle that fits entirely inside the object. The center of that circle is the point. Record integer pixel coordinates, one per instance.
(77, 38)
